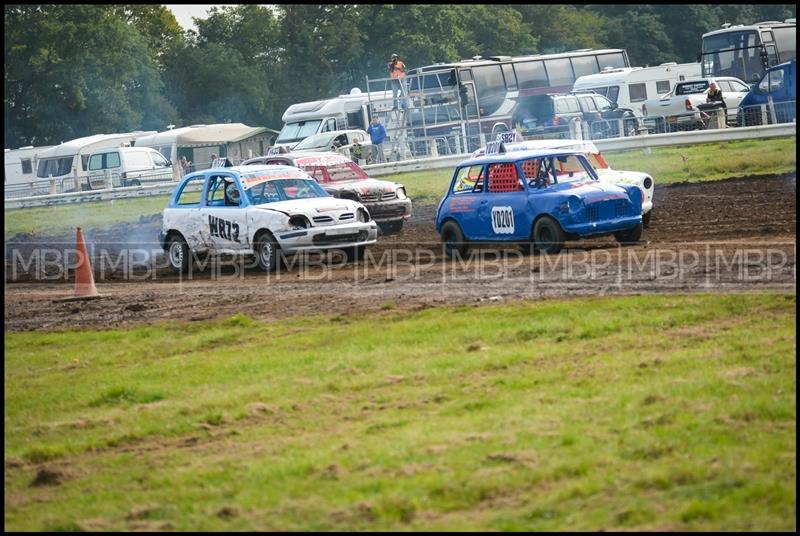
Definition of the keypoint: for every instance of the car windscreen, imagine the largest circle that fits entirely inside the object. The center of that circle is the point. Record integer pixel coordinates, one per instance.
(691, 88)
(315, 142)
(346, 171)
(298, 131)
(284, 190)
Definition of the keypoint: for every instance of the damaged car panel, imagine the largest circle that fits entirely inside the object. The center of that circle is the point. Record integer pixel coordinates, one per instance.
(260, 210)
(387, 202)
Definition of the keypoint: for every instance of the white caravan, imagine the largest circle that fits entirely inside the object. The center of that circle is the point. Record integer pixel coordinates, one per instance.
(344, 112)
(629, 87)
(68, 163)
(20, 164)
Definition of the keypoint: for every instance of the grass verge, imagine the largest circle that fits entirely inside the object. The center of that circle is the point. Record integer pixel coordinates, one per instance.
(660, 412)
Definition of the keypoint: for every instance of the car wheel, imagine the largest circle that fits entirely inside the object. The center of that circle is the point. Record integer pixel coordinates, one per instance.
(355, 253)
(548, 236)
(178, 254)
(453, 240)
(391, 227)
(629, 236)
(646, 218)
(266, 252)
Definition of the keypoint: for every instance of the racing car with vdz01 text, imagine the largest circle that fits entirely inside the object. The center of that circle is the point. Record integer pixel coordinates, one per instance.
(263, 211)
(537, 198)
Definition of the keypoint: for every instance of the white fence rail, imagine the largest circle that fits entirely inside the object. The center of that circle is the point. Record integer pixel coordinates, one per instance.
(392, 168)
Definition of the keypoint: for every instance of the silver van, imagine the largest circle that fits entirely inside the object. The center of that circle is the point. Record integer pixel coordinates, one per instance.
(128, 166)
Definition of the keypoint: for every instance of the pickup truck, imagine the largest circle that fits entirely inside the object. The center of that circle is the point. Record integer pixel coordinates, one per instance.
(679, 107)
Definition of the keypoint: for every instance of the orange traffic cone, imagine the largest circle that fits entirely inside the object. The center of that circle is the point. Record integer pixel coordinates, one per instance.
(84, 279)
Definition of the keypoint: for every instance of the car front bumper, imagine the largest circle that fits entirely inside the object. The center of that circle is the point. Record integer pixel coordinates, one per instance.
(384, 211)
(328, 237)
(603, 227)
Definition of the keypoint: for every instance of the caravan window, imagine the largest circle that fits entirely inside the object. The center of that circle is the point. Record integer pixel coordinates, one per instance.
(638, 92)
(662, 86)
(55, 167)
(26, 166)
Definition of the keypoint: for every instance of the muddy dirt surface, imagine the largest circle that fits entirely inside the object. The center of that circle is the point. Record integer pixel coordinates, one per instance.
(722, 236)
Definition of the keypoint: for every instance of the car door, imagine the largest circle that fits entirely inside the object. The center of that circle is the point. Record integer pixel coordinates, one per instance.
(464, 199)
(733, 95)
(502, 210)
(224, 220)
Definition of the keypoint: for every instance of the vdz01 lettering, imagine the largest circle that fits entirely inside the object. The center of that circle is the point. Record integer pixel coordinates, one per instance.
(502, 220)
(223, 228)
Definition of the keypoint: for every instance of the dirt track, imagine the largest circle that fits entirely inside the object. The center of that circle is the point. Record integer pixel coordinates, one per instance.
(731, 235)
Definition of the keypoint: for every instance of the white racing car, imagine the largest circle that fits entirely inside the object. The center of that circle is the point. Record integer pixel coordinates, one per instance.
(643, 180)
(260, 210)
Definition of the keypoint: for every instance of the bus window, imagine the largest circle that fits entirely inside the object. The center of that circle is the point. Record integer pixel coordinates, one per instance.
(508, 74)
(559, 72)
(584, 65)
(531, 74)
(616, 60)
(490, 87)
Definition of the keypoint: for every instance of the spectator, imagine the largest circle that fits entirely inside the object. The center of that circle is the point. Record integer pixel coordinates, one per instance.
(357, 150)
(377, 134)
(715, 95)
(397, 71)
(213, 158)
(186, 166)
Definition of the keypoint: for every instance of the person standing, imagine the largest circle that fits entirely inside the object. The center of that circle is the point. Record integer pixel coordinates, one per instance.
(377, 133)
(397, 71)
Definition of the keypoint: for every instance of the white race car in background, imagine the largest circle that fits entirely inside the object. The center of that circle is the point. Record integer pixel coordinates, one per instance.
(261, 211)
(643, 180)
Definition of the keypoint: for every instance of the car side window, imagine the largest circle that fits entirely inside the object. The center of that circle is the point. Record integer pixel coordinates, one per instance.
(588, 104)
(215, 196)
(538, 172)
(191, 192)
(571, 167)
(469, 180)
(504, 178)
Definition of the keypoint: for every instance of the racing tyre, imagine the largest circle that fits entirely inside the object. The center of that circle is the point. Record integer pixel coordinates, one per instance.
(355, 253)
(178, 254)
(629, 236)
(548, 236)
(453, 240)
(391, 227)
(646, 217)
(266, 252)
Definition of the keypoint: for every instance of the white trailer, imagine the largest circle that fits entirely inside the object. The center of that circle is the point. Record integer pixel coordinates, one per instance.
(629, 87)
(67, 164)
(20, 164)
(344, 112)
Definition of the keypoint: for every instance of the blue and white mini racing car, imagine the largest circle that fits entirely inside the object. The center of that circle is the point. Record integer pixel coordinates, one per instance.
(540, 198)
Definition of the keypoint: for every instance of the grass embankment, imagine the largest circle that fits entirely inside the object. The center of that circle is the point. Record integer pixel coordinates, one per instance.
(703, 162)
(668, 412)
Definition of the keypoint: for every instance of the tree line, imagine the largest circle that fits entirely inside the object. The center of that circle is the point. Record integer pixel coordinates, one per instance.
(78, 70)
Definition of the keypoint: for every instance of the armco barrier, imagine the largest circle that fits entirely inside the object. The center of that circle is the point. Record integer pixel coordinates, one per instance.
(391, 168)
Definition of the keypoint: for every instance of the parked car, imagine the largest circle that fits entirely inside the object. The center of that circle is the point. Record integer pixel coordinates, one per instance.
(644, 181)
(386, 201)
(536, 198)
(261, 211)
(679, 107)
(778, 84)
(550, 114)
(127, 166)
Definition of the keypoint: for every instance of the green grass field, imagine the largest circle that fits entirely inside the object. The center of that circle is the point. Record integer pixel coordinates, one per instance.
(661, 412)
(704, 162)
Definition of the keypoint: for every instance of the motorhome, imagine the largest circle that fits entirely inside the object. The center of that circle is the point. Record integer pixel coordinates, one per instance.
(20, 164)
(351, 111)
(68, 162)
(629, 87)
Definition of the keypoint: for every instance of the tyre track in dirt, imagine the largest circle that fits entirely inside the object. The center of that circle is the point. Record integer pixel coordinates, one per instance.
(706, 222)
